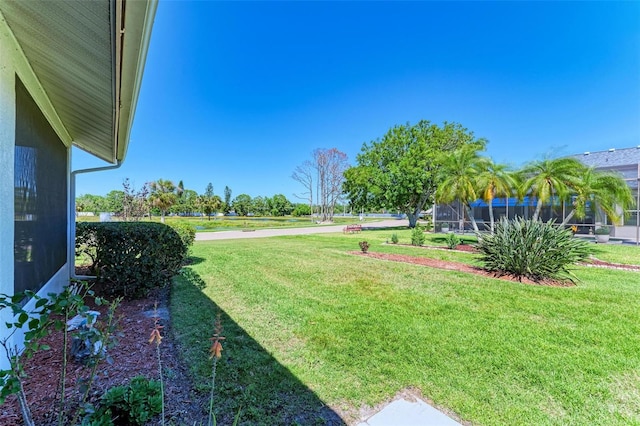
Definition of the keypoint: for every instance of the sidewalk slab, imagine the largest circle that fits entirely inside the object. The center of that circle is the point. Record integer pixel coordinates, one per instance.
(406, 413)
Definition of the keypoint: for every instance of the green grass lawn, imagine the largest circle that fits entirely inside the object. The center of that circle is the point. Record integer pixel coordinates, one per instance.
(308, 324)
(618, 253)
(228, 223)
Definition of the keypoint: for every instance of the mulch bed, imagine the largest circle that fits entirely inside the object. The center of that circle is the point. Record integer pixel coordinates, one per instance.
(457, 266)
(602, 264)
(462, 267)
(133, 356)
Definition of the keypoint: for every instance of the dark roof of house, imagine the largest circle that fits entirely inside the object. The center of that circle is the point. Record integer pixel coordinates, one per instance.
(610, 158)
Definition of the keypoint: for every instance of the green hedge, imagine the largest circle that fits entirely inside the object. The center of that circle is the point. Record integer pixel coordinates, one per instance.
(130, 258)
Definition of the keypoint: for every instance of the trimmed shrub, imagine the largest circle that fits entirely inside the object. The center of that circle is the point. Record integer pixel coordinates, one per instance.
(417, 236)
(452, 240)
(133, 257)
(394, 238)
(186, 232)
(86, 244)
(531, 249)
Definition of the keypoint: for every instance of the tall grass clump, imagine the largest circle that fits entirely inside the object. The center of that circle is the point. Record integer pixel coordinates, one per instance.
(531, 249)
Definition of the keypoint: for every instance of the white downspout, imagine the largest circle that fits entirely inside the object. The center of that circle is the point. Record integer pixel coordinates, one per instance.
(71, 253)
(116, 50)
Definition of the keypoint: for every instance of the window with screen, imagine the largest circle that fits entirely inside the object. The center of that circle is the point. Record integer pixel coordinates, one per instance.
(40, 196)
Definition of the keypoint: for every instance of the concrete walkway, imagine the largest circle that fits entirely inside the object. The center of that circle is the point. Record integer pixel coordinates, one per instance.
(318, 229)
(411, 411)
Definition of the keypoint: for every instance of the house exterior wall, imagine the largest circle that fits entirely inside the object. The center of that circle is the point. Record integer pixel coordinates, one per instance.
(13, 66)
(7, 142)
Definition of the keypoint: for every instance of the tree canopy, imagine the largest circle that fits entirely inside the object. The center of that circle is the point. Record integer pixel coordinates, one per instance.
(401, 171)
(242, 204)
(279, 205)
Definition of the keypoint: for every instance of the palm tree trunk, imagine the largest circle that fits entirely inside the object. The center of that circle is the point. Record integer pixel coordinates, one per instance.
(473, 219)
(538, 210)
(568, 218)
(491, 219)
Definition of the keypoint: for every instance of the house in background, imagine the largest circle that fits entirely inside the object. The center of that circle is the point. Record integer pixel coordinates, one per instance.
(70, 74)
(624, 161)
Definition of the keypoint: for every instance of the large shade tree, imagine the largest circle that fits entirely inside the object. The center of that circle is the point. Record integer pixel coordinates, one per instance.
(279, 205)
(242, 204)
(402, 171)
(259, 206)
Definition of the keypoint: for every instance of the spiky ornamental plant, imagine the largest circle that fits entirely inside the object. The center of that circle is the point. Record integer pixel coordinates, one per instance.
(532, 249)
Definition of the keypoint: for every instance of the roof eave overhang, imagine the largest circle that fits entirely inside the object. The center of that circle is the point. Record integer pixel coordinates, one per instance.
(82, 62)
(133, 42)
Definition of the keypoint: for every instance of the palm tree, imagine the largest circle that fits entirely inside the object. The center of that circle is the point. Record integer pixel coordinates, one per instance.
(163, 195)
(459, 178)
(549, 178)
(606, 190)
(494, 181)
(209, 204)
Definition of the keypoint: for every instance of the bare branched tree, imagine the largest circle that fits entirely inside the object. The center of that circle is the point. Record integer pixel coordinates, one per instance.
(135, 203)
(330, 165)
(304, 175)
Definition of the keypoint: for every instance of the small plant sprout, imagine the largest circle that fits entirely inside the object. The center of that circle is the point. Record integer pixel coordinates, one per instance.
(215, 353)
(364, 246)
(156, 338)
(417, 236)
(452, 240)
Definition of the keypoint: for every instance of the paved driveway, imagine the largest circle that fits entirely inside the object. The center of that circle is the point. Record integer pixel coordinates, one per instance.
(319, 229)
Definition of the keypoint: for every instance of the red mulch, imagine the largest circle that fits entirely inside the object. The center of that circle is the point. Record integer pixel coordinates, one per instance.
(462, 267)
(457, 266)
(132, 356)
(602, 264)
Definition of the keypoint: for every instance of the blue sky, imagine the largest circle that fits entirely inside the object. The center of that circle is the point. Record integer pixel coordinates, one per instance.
(240, 93)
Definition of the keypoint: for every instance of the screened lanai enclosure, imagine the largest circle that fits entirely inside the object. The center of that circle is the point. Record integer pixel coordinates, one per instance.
(625, 161)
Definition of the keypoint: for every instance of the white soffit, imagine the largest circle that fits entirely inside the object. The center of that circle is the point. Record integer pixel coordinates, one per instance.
(76, 54)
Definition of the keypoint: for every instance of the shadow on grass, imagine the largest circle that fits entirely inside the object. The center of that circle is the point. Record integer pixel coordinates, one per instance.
(248, 377)
(462, 238)
(195, 260)
(386, 228)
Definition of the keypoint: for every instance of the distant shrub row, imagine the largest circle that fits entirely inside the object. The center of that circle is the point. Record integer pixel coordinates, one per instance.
(130, 258)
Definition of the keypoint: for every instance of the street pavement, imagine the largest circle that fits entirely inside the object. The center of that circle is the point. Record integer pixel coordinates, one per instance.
(318, 229)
